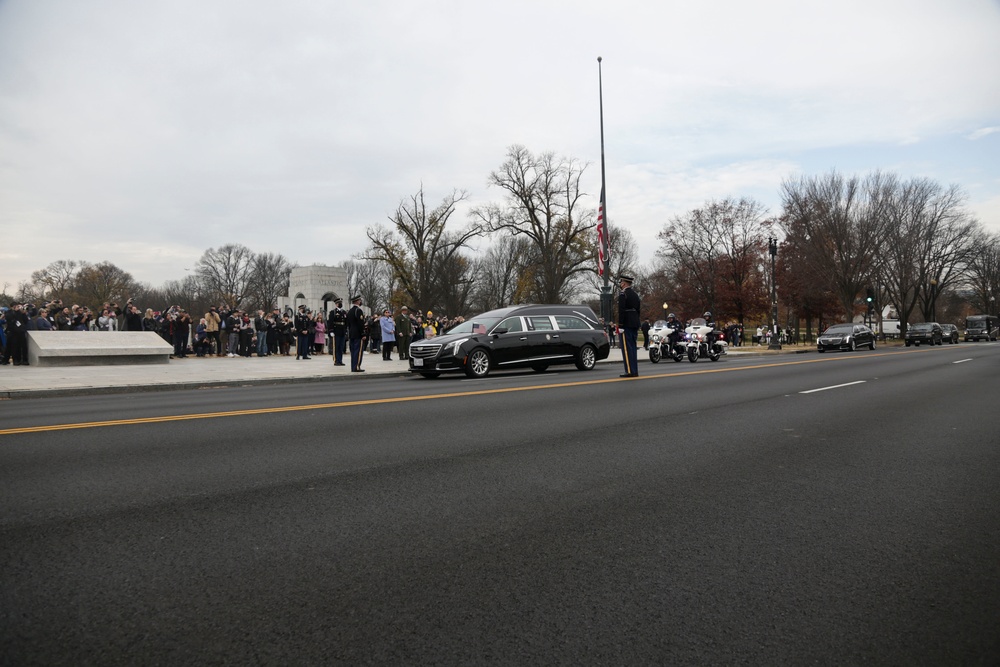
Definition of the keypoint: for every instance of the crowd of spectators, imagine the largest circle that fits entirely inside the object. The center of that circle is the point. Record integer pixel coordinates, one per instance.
(422, 326)
(220, 332)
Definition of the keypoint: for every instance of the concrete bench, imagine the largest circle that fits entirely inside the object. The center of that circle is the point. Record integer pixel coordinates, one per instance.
(96, 348)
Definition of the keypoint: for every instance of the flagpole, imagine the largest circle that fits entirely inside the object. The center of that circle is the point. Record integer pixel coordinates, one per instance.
(606, 289)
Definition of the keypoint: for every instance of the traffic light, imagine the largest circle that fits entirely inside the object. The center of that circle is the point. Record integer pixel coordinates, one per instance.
(871, 296)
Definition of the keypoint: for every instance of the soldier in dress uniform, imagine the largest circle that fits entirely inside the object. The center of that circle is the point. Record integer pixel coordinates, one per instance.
(628, 319)
(337, 321)
(357, 330)
(302, 337)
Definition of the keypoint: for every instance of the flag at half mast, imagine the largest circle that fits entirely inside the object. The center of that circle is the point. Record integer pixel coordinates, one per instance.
(603, 239)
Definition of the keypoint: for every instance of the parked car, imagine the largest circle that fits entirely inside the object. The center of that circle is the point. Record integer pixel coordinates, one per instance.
(846, 337)
(923, 332)
(950, 333)
(532, 336)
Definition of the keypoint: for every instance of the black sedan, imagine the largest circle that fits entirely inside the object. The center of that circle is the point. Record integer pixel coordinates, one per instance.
(534, 336)
(846, 337)
(924, 332)
(950, 333)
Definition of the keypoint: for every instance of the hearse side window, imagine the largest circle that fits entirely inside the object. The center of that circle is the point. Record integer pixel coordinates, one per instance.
(511, 324)
(539, 323)
(570, 322)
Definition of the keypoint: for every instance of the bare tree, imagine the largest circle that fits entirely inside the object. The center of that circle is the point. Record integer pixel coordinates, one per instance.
(500, 274)
(58, 278)
(458, 280)
(188, 293)
(419, 249)
(28, 291)
(226, 273)
(103, 283)
(716, 248)
(803, 291)
(5, 295)
(372, 280)
(842, 224)
(269, 279)
(542, 203)
(952, 230)
(928, 243)
(742, 235)
(984, 272)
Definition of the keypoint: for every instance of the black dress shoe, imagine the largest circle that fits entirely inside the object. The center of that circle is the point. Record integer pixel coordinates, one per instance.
(626, 375)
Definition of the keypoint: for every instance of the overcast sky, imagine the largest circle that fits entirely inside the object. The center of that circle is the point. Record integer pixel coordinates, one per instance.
(145, 132)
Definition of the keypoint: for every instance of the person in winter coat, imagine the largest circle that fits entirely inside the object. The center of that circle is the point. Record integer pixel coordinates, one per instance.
(202, 345)
(320, 338)
(388, 327)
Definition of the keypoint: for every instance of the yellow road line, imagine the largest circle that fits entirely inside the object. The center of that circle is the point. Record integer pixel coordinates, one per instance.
(405, 399)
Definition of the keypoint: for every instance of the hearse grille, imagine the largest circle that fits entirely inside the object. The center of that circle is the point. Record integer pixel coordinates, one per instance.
(424, 351)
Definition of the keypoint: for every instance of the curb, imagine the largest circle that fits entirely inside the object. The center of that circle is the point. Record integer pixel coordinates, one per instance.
(182, 386)
(101, 390)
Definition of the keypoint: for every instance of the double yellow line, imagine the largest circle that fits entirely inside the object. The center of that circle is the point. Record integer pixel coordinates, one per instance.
(404, 399)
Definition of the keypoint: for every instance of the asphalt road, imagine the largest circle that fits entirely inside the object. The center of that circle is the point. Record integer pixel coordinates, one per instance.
(700, 514)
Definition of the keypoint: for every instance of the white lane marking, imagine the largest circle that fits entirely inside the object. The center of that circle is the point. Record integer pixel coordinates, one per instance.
(836, 386)
(961, 361)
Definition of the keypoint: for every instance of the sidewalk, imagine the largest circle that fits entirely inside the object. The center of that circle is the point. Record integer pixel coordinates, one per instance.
(188, 373)
(194, 373)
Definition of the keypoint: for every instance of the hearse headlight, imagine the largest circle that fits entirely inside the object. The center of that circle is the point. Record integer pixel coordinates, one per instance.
(452, 348)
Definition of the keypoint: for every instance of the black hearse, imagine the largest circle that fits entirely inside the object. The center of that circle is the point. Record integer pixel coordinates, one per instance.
(528, 336)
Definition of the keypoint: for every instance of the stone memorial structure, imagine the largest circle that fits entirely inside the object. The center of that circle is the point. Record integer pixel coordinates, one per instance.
(96, 348)
(315, 287)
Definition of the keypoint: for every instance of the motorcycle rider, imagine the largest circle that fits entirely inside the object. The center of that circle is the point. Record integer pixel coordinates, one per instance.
(710, 339)
(675, 326)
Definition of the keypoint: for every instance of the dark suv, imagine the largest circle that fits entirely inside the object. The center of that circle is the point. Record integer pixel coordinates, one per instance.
(534, 336)
(924, 332)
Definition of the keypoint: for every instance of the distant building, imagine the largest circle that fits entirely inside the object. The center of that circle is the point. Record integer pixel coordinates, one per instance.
(316, 287)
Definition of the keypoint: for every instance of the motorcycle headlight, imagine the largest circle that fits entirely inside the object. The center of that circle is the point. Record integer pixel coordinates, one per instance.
(656, 338)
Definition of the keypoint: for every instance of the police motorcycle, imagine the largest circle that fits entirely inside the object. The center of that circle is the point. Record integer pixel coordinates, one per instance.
(660, 346)
(698, 331)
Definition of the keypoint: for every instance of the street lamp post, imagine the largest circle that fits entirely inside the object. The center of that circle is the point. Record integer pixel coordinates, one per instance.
(775, 344)
(933, 300)
(666, 307)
